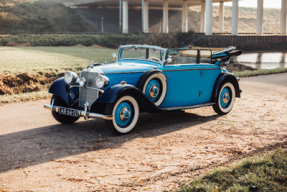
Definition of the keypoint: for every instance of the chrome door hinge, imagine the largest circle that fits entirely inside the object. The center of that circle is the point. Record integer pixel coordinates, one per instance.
(200, 93)
(201, 72)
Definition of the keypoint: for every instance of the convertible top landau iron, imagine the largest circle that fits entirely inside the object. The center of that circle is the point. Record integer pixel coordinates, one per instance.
(149, 79)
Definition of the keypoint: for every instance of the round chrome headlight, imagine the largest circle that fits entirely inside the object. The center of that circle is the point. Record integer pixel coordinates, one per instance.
(102, 81)
(70, 77)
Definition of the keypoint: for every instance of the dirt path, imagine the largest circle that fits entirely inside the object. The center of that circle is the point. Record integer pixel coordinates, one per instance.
(38, 154)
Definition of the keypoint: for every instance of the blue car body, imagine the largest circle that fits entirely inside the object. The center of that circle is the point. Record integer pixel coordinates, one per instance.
(190, 84)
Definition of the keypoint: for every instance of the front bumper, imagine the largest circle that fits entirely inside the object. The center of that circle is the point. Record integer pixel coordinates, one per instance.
(81, 113)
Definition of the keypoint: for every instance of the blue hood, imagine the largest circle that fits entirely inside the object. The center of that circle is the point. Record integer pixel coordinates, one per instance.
(123, 67)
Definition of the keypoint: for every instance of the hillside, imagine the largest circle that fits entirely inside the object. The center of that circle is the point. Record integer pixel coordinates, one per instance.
(247, 19)
(35, 16)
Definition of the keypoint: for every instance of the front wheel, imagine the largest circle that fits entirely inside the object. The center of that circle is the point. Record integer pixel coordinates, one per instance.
(226, 98)
(64, 119)
(125, 115)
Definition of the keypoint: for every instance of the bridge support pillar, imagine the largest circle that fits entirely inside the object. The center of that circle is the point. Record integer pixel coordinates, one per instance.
(145, 16)
(234, 22)
(165, 17)
(208, 22)
(202, 28)
(125, 16)
(259, 21)
(283, 17)
(221, 17)
(184, 20)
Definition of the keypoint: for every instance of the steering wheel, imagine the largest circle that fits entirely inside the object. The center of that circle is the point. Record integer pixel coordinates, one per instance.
(154, 58)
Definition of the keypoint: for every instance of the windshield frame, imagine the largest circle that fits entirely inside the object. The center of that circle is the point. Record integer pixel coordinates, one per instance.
(142, 46)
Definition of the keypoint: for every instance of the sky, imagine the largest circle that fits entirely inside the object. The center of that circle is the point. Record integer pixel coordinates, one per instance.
(253, 3)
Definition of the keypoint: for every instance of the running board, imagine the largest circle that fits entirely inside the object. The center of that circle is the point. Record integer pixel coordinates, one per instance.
(187, 107)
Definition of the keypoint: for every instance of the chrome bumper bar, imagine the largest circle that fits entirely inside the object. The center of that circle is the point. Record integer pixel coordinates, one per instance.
(81, 113)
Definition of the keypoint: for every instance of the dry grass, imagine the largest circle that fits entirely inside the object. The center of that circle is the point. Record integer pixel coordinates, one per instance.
(46, 61)
(32, 96)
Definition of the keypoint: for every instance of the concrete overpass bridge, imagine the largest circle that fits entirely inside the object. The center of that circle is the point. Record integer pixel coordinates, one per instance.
(166, 5)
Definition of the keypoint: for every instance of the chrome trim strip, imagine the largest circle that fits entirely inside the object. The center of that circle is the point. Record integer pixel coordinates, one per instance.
(167, 70)
(84, 113)
(100, 90)
(192, 69)
(188, 107)
(126, 72)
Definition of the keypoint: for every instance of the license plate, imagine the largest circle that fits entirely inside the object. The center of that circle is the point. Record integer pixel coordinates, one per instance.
(69, 112)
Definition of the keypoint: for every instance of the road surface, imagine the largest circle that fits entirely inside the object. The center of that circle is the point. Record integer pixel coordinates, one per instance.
(39, 154)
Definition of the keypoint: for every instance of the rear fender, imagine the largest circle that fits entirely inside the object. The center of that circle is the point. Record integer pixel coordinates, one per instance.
(224, 77)
(111, 95)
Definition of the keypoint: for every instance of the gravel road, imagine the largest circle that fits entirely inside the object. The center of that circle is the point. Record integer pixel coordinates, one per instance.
(165, 150)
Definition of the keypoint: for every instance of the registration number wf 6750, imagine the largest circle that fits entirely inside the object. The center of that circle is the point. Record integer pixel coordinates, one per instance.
(69, 112)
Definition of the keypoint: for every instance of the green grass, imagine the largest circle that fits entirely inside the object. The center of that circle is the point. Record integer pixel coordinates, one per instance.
(259, 72)
(268, 173)
(39, 60)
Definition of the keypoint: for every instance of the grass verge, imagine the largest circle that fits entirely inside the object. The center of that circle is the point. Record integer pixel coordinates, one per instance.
(259, 72)
(31, 96)
(267, 173)
(51, 60)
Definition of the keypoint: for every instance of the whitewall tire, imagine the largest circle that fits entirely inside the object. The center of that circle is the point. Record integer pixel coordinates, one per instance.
(125, 115)
(155, 88)
(226, 99)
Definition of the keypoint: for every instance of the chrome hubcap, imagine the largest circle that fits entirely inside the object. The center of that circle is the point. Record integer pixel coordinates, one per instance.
(153, 91)
(226, 98)
(125, 114)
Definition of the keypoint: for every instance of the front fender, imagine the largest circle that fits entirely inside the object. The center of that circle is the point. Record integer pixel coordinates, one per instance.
(61, 89)
(111, 95)
(220, 80)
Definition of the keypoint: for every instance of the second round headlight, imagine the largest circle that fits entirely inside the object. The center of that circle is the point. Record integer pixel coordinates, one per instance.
(102, 81)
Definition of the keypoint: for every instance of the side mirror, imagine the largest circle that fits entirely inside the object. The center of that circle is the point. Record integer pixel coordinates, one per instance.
(169, 60)
(114, 55)
(106, 62)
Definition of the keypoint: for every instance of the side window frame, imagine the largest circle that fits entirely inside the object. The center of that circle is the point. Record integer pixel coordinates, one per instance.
(199, 51)
(197, 58)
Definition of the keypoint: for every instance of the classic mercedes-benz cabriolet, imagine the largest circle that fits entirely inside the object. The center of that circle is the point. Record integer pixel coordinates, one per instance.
(146, 79)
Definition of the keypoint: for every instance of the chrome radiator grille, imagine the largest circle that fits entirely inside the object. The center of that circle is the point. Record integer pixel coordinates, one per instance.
(86, 94)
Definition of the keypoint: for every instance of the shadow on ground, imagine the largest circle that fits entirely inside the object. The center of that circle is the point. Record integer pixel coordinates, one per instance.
(36, 146)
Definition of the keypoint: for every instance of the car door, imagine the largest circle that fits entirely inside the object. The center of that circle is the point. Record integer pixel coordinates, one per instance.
(183, 79)
(208, 75)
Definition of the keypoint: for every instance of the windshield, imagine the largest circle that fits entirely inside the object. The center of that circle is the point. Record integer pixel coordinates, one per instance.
(145, 53)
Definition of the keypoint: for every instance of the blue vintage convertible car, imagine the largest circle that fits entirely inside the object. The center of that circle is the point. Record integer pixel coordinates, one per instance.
(146, 79)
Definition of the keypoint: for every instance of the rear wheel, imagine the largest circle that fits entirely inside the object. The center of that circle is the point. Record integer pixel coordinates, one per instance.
(125, 115)
(64, 119)
(226, 98)
(155, 88)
